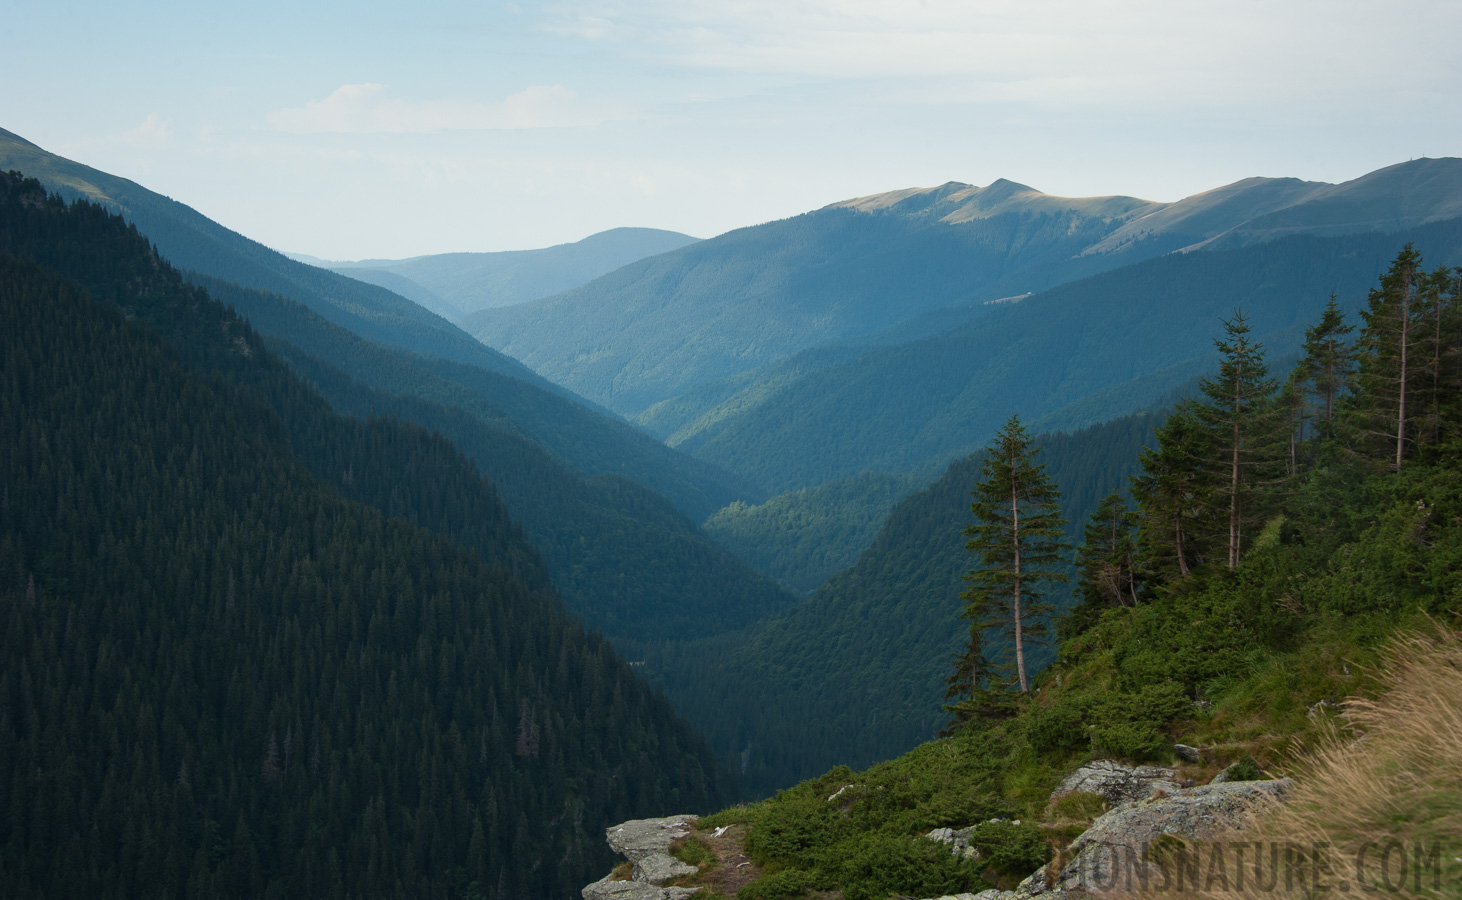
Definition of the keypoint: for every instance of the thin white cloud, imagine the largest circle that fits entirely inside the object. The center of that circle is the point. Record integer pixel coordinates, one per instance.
(153, 132)
(368, 109)
(1065, 52)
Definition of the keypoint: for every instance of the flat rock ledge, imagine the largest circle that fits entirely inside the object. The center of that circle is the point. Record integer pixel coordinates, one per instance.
(646, 844)
(1110, 856)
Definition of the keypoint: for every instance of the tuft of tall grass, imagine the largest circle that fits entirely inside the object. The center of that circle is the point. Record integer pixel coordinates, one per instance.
(1376, 805)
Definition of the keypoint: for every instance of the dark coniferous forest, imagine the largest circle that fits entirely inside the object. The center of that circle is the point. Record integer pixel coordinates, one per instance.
(240, 661)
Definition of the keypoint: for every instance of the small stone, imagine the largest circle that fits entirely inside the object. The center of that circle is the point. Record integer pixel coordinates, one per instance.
(1188, 754)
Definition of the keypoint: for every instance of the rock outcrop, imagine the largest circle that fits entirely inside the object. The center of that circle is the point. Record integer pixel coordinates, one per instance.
(1118, 783)
(1115, 853)
(958, 839)
(646, 844)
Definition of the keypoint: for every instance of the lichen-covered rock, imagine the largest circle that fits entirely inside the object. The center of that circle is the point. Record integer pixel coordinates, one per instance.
(646, 843)
(607, 888)
(958, 839)
(1118, 783)
(1112, 854)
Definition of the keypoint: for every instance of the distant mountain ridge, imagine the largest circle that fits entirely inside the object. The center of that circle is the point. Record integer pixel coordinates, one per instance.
(1071, 357)
(662, 328)
(461, 283)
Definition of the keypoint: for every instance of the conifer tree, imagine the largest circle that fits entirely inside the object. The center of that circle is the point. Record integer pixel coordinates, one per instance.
(1383, 411)
(1172, 494)
(1017, 536)
(1108, 555)
(975, 687)
(1439, 350)
(1328, 365)
(1245, 431)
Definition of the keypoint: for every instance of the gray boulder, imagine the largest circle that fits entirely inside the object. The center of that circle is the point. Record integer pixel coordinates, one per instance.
(646, 843)
(958, 839)
(1112, 855)
(1119, 783)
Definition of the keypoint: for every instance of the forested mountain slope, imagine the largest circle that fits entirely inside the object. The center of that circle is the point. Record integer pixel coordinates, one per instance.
(802, 538)
(587, 439)
(253, 648)
(624, 558)
(855, 673)
(1069, 357)
(475, 281)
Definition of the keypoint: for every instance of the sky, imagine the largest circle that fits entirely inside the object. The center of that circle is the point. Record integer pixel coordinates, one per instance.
(379, 130)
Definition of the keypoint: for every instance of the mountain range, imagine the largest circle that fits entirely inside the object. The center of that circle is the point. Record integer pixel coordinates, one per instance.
(659, 328)
(893, 332)
(455, 284)
(838, 360)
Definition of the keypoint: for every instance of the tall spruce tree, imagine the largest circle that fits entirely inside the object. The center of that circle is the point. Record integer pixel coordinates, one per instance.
(1173, 495)
(1381, 421)
(1246, 432)
(1108, 555)
(1328, 365)
(1017, 535)
(1440, 321)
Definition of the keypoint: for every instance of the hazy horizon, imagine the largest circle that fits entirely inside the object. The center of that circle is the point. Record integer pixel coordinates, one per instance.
(366, 132)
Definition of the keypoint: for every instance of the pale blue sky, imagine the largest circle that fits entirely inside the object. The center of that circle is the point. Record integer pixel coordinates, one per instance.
(375, 129)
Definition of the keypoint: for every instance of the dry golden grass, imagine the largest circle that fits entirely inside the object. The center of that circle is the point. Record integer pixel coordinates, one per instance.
(1376, 807)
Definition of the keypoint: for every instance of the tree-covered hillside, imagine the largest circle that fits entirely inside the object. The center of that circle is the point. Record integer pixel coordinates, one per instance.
(624, 558)
(1073, 356)
(1323, 566)
(802, 538)
(588, 439)
(855, 673)
(252, 648)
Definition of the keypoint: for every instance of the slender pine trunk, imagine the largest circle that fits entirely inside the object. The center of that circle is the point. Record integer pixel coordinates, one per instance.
(1015, 540)
(1405, 341)
(1178, 543)
(1233, 498)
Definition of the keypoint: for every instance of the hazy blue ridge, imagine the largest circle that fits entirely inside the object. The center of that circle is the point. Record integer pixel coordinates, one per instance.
(660, 327)
(469, 282)
(1119, 339)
